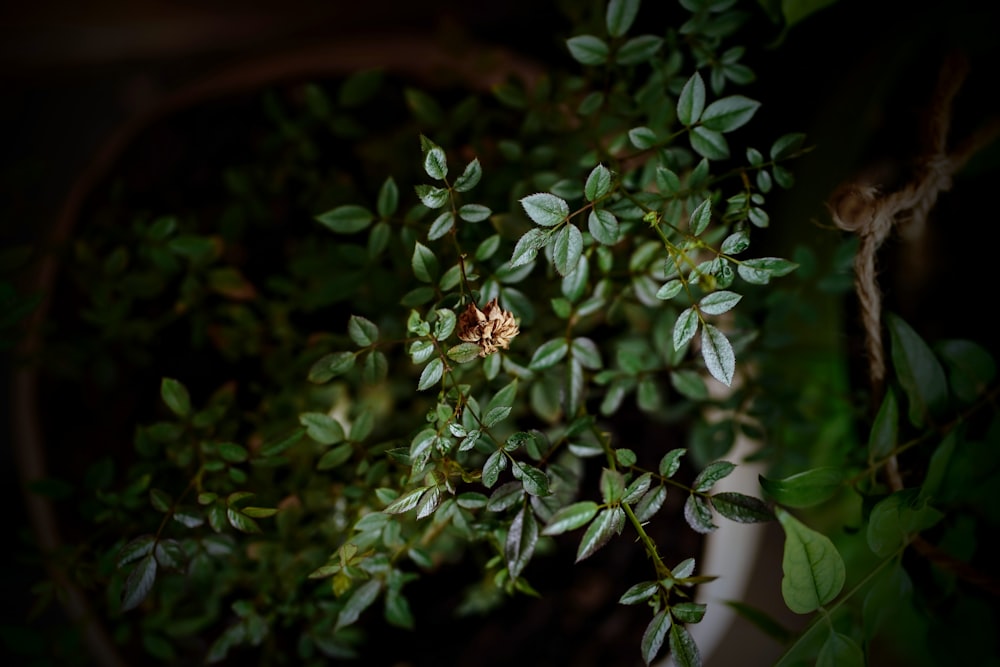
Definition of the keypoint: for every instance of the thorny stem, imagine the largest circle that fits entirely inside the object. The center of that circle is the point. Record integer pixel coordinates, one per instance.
(662, 571)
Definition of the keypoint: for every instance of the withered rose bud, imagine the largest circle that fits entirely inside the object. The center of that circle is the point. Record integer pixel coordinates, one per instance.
(489, 328)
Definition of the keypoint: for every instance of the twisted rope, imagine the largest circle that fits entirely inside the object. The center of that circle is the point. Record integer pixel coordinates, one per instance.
(873, 216)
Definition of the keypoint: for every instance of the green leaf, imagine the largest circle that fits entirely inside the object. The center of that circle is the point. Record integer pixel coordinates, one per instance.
(571, 517)
(431, 374)
(359, 87)
(654, 635)
(193, 247)
(139, 582)
(534, 480)
(638, 49)
(885, 428)
(669, 290)
(376, 367)
(566, 249)
(896, 517)
(431, 196)
(397, 610)
(642, 137)
(549, 354)
(346, 219)
(463, 353)
(700, 217)
(429, 502)
(667, 181)
(444, 325)
(545, 209)
(505, 496)
(698, 515)
(683, 648)
(362, 331)
(786, 145)
(971, 368)
(232, 452)
(741, 508)
(650, 503)
(388, 198)
(813, 570)
(937, 469)
(160, 500)
(689, 384)
(805, 489)
(435, 163)
(470, 177)
(719, 302)
(522, 536)
(474, 212)
(685, 328)
(919, 371)
(598, 183)
(759, 271)
(242, 522)
(526, 248)
(609, 522)
(330, 366)
(709, 143)
(424, 263)
(620, 15)
(603, 226)
(259, 512)
(711, 474)
(671, 462)
(718, 354)
(406, 502)
(639, 592)
(839, 650)
(494, 465)
(322, 428)
(585, 351)
(176, 396)
(640, 485)
(588, 49)
(135, 549)
(612, 486)
(496, 415)
(441, 225)
(729, 113)
(691, 102)
(425, 109)
(360, 599)
(688, 612)
(335, 457)
(422, 350)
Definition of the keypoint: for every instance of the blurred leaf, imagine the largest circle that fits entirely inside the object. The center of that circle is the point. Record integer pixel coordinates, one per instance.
(691, 102)
(806, 488)
(361, 598)
(176, 396)
(346, 219)
(588, 49)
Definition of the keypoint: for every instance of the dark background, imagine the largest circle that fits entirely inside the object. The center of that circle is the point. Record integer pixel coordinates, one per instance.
(854, 77)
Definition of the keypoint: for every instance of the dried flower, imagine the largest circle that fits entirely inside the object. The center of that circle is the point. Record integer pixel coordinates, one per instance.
(490, 328)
